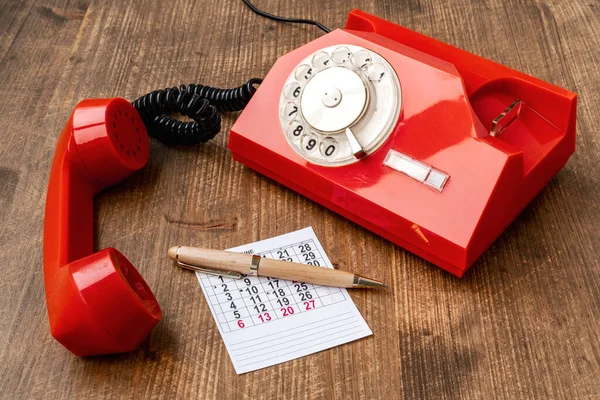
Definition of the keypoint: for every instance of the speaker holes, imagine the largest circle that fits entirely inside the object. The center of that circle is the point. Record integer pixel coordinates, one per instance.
(114, 125)
(121, 146)
(116, 136)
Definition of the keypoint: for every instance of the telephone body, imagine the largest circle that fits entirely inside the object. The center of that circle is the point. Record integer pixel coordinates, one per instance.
(431, 147)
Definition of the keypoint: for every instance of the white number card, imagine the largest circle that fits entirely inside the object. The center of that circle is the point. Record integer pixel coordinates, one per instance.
(267, 321)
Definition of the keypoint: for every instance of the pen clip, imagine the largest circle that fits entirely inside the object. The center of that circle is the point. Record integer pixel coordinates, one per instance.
(229, 274)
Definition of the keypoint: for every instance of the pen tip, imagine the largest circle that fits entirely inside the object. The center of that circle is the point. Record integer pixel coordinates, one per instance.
(362, 282)
(173, 252)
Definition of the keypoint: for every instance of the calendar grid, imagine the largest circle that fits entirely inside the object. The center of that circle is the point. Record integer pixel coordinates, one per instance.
(251, 301)
(310, 318)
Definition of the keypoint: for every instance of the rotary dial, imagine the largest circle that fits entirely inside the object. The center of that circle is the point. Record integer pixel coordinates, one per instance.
(339, 104)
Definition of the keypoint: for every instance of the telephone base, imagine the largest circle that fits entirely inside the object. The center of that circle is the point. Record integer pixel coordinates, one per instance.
(453, 171)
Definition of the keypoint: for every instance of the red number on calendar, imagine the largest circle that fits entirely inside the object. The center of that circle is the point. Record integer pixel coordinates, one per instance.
(264, 317)
(241, 323)
(287, 311)
(309, 304)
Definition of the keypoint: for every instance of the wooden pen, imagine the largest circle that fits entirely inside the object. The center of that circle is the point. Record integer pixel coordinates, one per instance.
(236, 265)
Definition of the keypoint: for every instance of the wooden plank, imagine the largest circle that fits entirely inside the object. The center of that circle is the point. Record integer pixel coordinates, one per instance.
(522, 324)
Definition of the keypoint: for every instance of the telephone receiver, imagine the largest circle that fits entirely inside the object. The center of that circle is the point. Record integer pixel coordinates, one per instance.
(97, 302)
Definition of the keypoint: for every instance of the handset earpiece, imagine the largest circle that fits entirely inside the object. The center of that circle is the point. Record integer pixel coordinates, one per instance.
(97, 302)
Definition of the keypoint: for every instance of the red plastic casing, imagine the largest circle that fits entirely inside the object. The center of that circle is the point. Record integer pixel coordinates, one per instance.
(97, 302)
(449, 99)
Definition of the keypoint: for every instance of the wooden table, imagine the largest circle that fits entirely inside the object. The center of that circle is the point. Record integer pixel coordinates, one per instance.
(523, 323)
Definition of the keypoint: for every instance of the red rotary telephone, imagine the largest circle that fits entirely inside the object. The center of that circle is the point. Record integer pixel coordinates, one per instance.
(429, 146)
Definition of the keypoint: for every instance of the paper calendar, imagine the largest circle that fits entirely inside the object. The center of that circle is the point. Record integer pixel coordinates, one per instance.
(267, 321)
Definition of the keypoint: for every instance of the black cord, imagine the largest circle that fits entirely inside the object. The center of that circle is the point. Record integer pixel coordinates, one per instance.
(201, 103)
(284, 19)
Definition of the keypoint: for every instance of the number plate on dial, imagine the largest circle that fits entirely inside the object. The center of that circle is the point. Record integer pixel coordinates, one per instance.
(340, 104)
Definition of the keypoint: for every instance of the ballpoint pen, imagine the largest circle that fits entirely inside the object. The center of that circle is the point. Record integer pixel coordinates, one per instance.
(237, 265)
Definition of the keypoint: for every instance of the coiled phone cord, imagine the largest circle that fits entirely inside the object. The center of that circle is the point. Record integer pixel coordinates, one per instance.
(200, 103)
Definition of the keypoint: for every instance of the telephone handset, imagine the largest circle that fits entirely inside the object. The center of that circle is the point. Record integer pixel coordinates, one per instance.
(340, 104)
(427, 145)
(97, 302)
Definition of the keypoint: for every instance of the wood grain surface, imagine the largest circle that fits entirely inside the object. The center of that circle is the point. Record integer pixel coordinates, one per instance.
(523, 323)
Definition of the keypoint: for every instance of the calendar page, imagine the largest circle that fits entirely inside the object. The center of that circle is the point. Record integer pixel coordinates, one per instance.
(267, 321)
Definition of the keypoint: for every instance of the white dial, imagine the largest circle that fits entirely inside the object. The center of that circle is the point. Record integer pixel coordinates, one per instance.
(340, 104)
